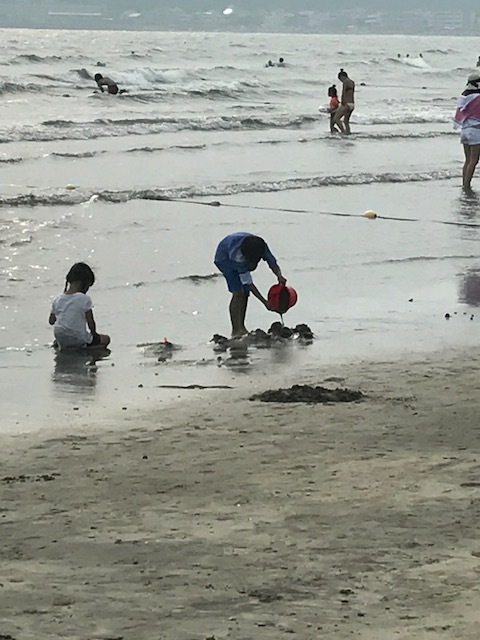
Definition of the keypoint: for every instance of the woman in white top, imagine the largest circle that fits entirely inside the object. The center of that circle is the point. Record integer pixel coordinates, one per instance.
(467, 118)
(72, 315)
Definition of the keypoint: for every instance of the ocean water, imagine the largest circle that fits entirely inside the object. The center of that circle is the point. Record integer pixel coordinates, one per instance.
(123, 182)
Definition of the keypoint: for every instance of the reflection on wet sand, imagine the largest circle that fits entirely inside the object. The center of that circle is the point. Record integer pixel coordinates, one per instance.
(239, 357)
(76, 371)
(468, 210)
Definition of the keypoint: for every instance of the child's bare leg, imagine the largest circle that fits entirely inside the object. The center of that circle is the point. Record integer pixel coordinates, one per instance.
(238, 311)
(333, 127)
(337, 120)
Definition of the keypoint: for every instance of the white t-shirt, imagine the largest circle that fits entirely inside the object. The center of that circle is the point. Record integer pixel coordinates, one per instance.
(70, 329)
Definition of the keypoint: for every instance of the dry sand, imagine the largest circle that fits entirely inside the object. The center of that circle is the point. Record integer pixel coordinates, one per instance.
(226, 518)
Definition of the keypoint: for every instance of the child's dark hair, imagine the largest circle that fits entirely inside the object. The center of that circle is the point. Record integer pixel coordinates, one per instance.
(253, 248)
(80, 272)
(332, 91)
(97, 77)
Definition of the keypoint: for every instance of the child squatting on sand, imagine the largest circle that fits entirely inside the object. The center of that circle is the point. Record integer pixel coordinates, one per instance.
(236, 256)
(72, 315)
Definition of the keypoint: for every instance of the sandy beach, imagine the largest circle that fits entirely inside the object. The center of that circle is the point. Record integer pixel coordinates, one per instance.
(229, 518)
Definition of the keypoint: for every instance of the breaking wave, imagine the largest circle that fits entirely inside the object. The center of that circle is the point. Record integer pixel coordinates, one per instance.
(15, 87)
(60, 129)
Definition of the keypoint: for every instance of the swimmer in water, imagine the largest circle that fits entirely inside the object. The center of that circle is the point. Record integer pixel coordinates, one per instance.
(281, 63)
(102, 82)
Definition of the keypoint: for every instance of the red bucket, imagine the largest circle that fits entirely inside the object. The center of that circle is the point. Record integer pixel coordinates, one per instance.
(282, 298)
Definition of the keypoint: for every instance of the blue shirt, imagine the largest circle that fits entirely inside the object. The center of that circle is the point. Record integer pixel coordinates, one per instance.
(230, 256)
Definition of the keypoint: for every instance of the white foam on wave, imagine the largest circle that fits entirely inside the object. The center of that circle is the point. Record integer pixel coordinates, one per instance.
(418, 62)
(146, 77)
(422, 116)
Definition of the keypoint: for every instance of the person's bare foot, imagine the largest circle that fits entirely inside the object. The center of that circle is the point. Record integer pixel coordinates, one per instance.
(241, 333)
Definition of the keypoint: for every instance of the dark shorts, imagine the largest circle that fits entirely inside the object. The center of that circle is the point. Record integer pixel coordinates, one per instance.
(232, 277)
(113, 90)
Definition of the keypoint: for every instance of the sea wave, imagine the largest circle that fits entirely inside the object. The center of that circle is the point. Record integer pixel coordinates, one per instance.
(147, 76)
(80, 196)
(63, 129)
(415, 62)
(442, 51)
(147, 84)
(83, 73)
(79, 154)
(428, 258)
(33, 57)
(180, 147)
(60, 129)
(384, 135)
(147, 149)
(421, 117)
(16, 87)
(11, 160)
(54, 80)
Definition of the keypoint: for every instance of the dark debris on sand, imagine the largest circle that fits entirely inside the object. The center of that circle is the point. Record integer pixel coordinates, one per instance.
(42, 477)
(309, 394)
(163, 351)
(277, 334)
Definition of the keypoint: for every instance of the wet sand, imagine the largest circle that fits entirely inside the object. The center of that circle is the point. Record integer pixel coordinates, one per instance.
(367, 289)
(227, 518)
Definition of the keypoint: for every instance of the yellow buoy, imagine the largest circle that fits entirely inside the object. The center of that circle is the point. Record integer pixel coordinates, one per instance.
(371, 215)
(70, 187)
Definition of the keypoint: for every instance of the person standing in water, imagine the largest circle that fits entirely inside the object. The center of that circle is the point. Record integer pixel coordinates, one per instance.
(347, 103)
(467, 118)
(333, 107)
